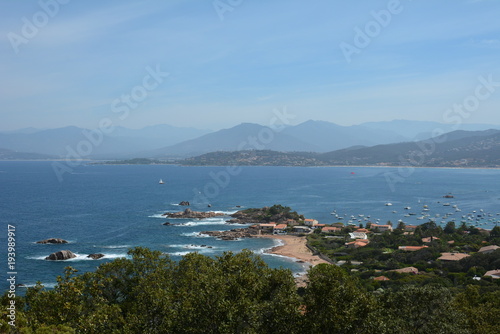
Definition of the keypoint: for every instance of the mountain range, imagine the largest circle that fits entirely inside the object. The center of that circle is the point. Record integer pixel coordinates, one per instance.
(167, 142)
(455, 149)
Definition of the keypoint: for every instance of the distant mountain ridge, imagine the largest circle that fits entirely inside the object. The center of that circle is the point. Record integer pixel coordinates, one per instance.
(455, 149)
(169, 142)
(120, 143)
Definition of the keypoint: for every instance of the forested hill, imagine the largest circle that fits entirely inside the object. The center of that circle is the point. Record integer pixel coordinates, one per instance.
(455, 149)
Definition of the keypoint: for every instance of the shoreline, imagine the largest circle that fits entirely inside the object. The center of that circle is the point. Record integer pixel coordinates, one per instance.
(294, 247)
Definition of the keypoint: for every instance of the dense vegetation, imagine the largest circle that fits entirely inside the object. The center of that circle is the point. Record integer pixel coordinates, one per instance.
(238, 293)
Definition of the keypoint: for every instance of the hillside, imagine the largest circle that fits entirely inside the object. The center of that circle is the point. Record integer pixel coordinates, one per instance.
(456, 149)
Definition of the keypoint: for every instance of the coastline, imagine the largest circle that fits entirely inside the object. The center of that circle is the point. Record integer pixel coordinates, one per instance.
(294, 247)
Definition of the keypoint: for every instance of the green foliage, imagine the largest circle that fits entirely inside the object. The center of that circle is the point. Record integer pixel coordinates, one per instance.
(417, 310)
(334, 302)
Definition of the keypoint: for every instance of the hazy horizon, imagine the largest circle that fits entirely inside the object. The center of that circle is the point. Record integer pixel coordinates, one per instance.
(216, 64)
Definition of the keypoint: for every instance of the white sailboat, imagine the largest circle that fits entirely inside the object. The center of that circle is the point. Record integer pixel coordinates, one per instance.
(161, 181)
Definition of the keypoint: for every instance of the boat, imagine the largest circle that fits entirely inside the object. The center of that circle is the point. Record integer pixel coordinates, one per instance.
(161, 181)
(388, 204)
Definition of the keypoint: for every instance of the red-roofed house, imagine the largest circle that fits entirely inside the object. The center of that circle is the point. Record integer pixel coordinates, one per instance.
(310, 222)
(331, 229)
(280, 229)
(452, 256)
(381, 278)
(488, 249)
(495, 274)
(429, 239)
(407, 270)
(357, 243)
(411, 248)
(381, 228)
(410, 228)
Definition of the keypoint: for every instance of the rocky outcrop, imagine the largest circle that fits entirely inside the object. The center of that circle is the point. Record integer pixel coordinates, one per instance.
(61, 255)
(95, 256)
(184, 203)
(167, 223)
(52, 241)
(277, 214)
(233, 234)
(188, 213)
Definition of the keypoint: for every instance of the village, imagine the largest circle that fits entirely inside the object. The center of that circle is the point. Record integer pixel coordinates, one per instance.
(380, 252)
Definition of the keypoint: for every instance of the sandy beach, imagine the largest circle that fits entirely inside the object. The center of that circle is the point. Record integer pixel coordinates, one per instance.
(295, 247)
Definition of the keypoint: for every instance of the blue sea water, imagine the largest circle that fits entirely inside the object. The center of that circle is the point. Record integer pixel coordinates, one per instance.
(111, 208)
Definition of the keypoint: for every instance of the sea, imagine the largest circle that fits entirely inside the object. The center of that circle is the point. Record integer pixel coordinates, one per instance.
(109, 209)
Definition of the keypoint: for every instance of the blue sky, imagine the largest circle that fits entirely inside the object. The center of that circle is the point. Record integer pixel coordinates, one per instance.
(239, 62)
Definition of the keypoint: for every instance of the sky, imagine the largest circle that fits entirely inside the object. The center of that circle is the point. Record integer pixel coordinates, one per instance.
(213, 64)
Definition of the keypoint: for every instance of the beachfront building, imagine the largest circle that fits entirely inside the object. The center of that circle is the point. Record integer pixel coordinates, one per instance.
(267, 228)
(280, 229)
(310, 222)
(301, 229)
(381, 228)
(291, 222)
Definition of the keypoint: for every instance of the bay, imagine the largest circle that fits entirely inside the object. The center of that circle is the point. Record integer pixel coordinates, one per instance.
(111, 208)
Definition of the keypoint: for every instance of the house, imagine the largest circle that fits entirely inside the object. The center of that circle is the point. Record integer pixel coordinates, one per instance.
(495, 274)
(301, 229)
(381, 278)
(357, 243)
(381, 228)
(410, 228)
(319, 225)
(310, 222)
(358, 235)
(407, 270)
(267, 227)
(488, 249)
(363, 230)
(291, 222)
(452, 256)
(411, 248)
(429, 240)
(280, 229)
(331, 229)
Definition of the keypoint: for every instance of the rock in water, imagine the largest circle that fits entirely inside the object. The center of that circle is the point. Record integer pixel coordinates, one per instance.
(184, 203)
(188, 213)
(61, 255)
(52, 241)
(95, 256)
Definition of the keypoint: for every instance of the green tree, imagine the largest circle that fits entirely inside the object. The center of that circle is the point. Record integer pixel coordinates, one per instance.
(415, 310)
(334, 302)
